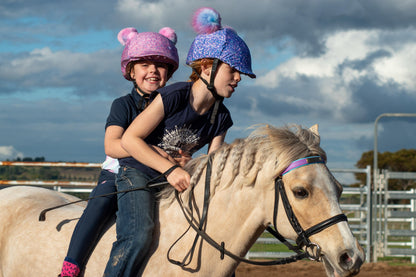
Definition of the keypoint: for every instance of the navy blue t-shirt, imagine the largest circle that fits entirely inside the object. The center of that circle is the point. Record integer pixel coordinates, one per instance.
(182, 128)
(125, 109)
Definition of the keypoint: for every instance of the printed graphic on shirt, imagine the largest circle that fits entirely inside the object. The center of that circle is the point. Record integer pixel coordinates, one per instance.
(179, 138)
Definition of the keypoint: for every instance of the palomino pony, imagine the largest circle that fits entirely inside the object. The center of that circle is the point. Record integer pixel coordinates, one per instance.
(275, 176)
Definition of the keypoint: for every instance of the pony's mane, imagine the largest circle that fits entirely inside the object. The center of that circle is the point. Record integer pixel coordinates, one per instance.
(247, 156)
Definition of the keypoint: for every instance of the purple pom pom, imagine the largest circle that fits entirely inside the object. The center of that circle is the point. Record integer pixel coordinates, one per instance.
(169, 33)
(126, 34)
(206, 21)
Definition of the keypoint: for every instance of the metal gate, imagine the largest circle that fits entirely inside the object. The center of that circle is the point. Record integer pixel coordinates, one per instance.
(394, 218)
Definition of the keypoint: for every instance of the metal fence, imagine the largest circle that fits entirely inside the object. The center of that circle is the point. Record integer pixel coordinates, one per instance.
(394, 220)
(63, 186)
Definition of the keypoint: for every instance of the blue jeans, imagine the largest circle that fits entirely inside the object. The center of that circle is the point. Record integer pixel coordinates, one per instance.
(96, 218)
(135, 223)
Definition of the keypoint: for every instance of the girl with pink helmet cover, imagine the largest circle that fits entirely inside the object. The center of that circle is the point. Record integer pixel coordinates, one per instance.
(148, 60)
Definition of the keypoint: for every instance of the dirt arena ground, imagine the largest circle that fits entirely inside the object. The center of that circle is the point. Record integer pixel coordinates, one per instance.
(314, 269)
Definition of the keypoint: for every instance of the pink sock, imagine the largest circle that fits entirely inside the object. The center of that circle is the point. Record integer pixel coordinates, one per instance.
(69, 269)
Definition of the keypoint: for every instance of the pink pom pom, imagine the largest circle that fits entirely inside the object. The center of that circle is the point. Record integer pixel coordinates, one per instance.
(169, 33)
(126, 34)
(206, 21)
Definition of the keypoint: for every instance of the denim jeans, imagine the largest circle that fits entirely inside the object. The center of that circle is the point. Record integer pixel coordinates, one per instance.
(135, 224)
(96, 218)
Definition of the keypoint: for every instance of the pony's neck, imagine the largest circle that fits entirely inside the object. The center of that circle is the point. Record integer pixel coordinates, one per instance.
(230, 221)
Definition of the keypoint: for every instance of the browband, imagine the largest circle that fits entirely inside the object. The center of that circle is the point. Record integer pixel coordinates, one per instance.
(304, 161)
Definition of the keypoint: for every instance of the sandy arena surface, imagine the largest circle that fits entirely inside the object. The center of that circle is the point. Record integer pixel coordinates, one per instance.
(314, 269)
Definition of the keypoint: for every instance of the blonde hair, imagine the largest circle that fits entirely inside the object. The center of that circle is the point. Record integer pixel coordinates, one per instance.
(197, 68)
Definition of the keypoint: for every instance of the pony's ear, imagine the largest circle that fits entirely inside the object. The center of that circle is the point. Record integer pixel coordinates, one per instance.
(314, 129)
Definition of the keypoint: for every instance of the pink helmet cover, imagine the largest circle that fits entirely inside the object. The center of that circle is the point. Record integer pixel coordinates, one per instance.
(158, 47)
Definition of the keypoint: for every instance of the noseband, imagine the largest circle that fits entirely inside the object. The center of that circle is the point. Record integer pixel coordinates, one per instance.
(311, 250)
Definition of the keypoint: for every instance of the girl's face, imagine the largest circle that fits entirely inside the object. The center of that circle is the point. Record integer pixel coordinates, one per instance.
(149, 75)
(226, 80)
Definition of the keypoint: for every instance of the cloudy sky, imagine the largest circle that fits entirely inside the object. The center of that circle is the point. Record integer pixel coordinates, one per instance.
(336, 63)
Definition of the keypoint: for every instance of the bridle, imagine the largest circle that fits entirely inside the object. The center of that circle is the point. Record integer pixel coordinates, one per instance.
(313, 250)
(304, 248)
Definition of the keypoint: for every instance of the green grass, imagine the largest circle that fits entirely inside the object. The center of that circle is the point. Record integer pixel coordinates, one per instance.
(259, 247)
(397, 261)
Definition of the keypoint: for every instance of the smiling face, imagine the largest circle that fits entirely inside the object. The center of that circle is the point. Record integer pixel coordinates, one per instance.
(149, 76)
(226, 80)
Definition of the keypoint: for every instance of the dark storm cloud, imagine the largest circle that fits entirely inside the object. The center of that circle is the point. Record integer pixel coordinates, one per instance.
(310, 22)
(371, 99)
(393, 134)
(306, 22)
(272, 101)
(366, 62)
(85, 74)
(55, 128)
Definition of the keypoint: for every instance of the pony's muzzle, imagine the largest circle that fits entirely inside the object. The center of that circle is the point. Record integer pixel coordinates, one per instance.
(350, 262)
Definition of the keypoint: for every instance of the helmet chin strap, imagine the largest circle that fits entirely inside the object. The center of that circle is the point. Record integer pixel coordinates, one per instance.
(211, 88)
(144, 100)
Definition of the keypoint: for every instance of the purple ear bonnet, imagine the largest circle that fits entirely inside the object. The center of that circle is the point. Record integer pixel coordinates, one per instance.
(157, 47)
(213, 41)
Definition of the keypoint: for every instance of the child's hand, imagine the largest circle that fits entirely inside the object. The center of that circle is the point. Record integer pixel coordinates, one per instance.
(183, 159)
(179, 179)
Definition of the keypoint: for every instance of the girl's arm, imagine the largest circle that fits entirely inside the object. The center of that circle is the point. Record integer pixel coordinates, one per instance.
(133, 142)
(112, 142)
(216, 143)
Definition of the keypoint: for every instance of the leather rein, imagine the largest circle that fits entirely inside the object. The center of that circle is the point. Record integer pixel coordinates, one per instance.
(311, 250)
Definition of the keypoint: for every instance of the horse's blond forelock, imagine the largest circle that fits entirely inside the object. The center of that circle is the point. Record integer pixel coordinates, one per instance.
(247, 156)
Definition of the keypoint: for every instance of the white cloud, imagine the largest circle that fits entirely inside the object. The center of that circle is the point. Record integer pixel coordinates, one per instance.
(350, 46)
(400, 67)
(10, 153)
(341, 47)
(45, 60)
(350, 57)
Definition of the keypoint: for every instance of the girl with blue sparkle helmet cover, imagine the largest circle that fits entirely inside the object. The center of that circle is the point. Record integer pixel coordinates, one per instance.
(219, 44)
(181, 119)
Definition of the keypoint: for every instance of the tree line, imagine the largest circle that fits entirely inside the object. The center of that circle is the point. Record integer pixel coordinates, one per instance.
(403, 160)
(47, 173)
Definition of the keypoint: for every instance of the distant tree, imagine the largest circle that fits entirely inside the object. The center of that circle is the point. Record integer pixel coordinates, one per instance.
(402, 161)
(39, 159)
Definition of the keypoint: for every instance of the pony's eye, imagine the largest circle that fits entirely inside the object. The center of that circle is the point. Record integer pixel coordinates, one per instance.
(300, 193)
